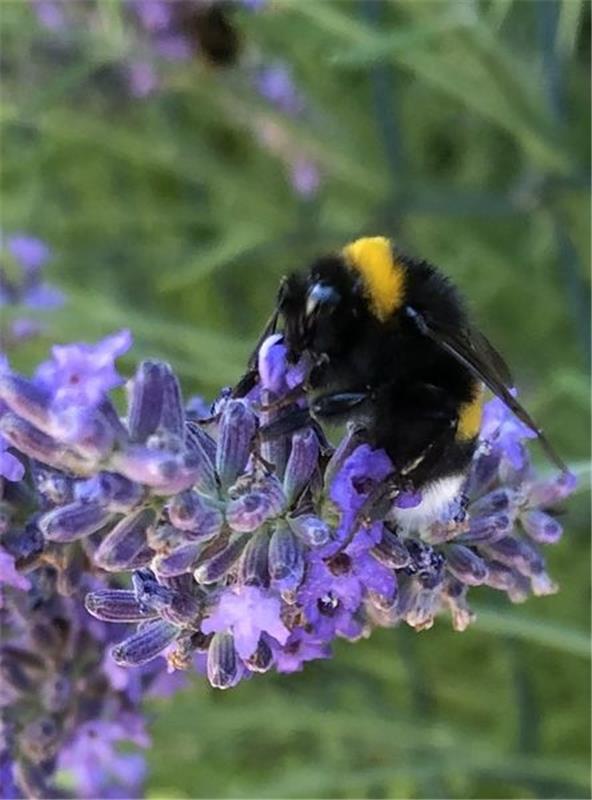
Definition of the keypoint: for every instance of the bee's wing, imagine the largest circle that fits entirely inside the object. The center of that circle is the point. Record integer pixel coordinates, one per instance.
(472, 349)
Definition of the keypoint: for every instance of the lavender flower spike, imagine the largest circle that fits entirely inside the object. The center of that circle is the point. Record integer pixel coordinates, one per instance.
(238, 562)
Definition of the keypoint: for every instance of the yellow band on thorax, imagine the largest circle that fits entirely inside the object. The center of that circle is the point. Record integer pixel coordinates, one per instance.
(382, 274)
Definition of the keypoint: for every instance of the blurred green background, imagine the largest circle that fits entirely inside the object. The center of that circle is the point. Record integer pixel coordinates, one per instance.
(461, 129)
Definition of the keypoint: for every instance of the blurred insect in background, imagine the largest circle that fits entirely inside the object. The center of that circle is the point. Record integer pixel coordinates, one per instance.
(208, 26)
(391, 347)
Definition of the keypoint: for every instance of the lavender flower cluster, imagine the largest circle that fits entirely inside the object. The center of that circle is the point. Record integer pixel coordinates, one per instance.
(229, 552)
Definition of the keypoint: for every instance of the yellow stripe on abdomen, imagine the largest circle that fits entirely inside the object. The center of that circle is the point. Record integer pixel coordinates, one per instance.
(469, 417)
(383, 276)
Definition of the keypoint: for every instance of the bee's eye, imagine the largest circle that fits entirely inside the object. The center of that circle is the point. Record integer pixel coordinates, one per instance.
(321, 296)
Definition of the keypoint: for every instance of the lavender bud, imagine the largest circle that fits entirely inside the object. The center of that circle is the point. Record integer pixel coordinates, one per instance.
(111, 417)
(500, 576)
(249, 511)
(117, 605)
(488, 529)
(313, 531)
(253, 566)
(39, 739)
(541, 527)
(508, 580)
(128, 538)
(73, 521)
(549, 493)
(145, 644)
(38, 445)
(141, 559)
(191, 512)
(237, 429)
(214, 568)
(204, 447)
(286, 559)
(466, 565)
(150, 595)
(454, 595)
(418, 605)
(27, 399)
(112, 490)
(172, 419)
(262, 658)
(145, 401)
(517, 554)
(164, 538)
(224, 668)
(184, 610)
(180, 560)
(56, 693)
(96, 436)
(542, 585)
(391, 551)
(483, 470)
(301, 463)
(500, 501)
(197, 439)
(382, 604)
(166, 473)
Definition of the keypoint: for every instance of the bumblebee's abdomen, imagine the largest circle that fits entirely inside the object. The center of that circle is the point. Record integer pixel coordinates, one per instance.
(469, 416)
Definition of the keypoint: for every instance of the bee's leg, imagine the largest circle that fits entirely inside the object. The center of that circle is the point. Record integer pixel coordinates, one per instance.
(380, 500)
(336, 405)
(293, 420)
(285, 400)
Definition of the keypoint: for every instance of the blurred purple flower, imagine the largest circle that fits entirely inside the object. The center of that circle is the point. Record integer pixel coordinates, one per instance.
(154, 15)
(274, 83)
(98, 767)
(306, 178)
(30, 252)
(50, 13)
(142, 78)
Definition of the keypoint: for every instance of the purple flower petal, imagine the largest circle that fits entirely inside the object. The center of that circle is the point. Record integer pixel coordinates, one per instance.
(247, 613)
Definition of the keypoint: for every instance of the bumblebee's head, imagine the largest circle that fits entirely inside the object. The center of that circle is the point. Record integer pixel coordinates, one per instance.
(319, 307)
(325, 310)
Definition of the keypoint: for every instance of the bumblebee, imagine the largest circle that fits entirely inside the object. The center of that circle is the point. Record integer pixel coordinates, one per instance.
(210, 29)
(392, 348)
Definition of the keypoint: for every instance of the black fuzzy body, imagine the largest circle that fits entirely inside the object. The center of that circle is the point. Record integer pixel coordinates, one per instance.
(413, 389)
